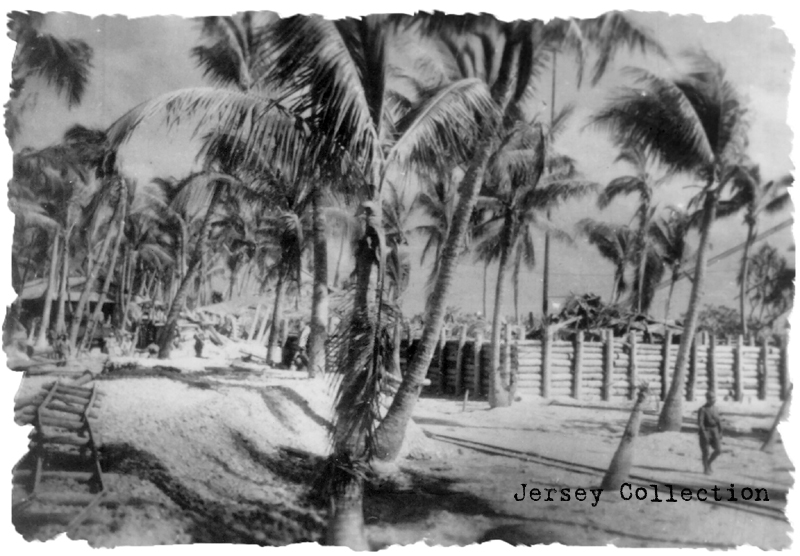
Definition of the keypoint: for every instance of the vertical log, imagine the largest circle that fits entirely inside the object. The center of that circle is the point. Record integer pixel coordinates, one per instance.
(783, 371)
(691, 383)
(608, 364)
(665, 363)
(546, 344)
(711, 368)
(762, 373)
(442, 361)
(633, 370)
(738, 363)
(577, 366)
(462, 340)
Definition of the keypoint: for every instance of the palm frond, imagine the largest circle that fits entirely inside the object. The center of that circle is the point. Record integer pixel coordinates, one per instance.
(444, 125)
(624, 185)
(657, 115)
(261, 128)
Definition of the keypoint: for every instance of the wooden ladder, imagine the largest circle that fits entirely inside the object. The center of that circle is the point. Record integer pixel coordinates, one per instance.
(63, 448)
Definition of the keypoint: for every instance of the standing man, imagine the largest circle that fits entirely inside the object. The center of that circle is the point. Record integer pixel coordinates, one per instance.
(709, 425)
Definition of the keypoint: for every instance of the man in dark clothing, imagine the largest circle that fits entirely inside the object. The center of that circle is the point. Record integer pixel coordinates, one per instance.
(709, 425)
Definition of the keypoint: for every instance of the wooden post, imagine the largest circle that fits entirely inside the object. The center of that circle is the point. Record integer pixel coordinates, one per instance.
(441, 360)
(691, 382)
(665, 361)
(711, 370)
(577, 366)
(459, 382)
(546, 344)
(633, 371)
(476, 367)
(608, 364)
(738, 364)
(783, 371)
(763, 358)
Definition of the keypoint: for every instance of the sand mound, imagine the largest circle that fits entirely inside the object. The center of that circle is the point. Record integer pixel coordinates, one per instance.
(216, 439)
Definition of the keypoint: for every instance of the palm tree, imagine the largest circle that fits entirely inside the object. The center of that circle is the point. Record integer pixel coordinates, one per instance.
(509, 60)
(516, 196)
(604, 36)
(64, 64)
(694, 124)
(437, 203)
(640, 183)
(670, 235)
(615, 244)
(756, 198)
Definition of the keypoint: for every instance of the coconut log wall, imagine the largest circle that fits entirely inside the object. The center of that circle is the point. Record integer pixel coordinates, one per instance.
(610, 369)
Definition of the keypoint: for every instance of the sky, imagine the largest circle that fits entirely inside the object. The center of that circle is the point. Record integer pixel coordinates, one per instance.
(138, 59)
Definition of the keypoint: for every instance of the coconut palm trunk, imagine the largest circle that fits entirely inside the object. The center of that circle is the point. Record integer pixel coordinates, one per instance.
(485, 279)
(500, 394)
(346, 515)
(88, 287)
(671, 418)
(167, 333)
(61, 326)
(620, 468)
(391, 431)
(98, 309)
(319, 300)
(673, 281)
(751, 235)
(546, 278)
(52, 284)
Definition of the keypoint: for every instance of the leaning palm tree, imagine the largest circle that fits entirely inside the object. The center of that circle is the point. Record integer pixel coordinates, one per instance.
(508, 63)
(757, 198)
(694, 123)
(64, 64)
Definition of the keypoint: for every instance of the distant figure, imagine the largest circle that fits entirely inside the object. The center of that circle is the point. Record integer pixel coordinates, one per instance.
(301, 358)
(152, 350)
(61, 348)
(199, 342)
(709, 425)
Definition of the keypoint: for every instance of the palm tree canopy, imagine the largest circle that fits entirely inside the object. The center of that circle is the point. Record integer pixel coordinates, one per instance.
(694, 123)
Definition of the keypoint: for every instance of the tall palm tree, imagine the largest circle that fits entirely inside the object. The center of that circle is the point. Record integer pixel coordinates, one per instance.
(517, 195)
(615, 243)
(694, 123)
(508, 63)
(757, 198)
(64, 64)
(602, 38)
